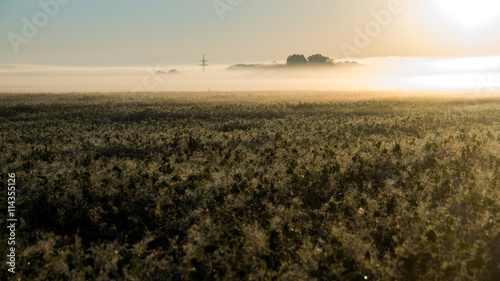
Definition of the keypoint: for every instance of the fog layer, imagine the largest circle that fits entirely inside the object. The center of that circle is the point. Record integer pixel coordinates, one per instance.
(388, 73)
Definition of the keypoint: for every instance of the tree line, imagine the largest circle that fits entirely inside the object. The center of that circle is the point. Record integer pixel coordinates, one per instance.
(296, 59)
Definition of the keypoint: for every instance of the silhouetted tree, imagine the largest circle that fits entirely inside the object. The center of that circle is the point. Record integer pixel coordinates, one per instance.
(296, 59)
(319, 59)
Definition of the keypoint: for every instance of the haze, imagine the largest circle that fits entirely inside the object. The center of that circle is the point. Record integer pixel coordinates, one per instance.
(72, 45)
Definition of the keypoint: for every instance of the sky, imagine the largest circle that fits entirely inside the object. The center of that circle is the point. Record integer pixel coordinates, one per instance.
(146, 32)
(177, 33)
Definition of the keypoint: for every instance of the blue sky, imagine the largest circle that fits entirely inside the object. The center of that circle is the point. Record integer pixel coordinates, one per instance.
(170, 32)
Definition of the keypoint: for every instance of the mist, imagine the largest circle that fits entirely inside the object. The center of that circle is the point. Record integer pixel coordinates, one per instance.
(372, 74)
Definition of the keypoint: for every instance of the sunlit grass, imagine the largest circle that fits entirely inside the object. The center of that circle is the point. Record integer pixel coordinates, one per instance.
(284, 186)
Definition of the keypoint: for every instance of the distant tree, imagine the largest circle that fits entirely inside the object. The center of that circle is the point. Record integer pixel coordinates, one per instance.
(296, 60)
(319, 59)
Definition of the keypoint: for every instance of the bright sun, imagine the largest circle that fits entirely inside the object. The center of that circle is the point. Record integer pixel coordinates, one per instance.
(470, 14)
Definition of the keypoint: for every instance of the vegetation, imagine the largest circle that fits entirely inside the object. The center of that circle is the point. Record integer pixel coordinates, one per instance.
(294, 61)
(316, 59)
(222, 187)
(319, 59)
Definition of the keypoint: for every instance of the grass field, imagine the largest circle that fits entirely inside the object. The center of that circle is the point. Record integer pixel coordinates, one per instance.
(252, 186)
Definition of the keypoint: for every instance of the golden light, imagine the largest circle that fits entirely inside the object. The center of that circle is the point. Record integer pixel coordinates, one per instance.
(470, 14)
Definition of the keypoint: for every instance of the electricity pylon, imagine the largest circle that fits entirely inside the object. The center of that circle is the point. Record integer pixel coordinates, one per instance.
(204, 62)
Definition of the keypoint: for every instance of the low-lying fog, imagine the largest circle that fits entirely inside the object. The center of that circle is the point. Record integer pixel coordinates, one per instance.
(388, 73)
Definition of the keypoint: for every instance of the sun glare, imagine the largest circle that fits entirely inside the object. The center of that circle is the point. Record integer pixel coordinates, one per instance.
(470, 14)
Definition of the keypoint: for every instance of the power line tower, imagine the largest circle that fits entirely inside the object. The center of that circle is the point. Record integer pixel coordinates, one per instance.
(204, 62)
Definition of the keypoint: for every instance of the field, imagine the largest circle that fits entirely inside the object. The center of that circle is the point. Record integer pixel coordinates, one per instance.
(252, 186)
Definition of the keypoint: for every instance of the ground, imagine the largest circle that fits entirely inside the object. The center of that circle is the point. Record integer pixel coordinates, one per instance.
(253, 186)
